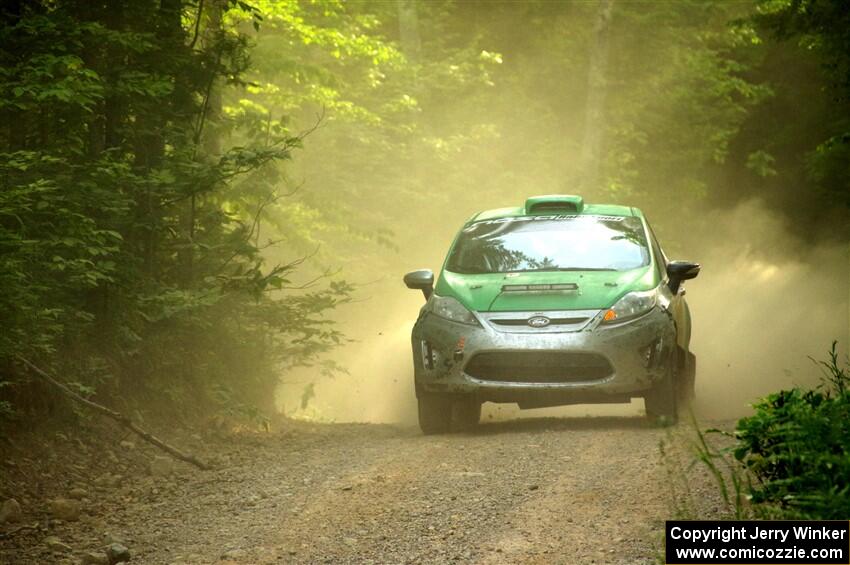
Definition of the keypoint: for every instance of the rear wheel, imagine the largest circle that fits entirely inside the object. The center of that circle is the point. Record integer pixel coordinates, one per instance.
(435, 413)
(661, 400)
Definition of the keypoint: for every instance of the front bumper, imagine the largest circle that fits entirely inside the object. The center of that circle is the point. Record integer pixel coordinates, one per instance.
(498, 360)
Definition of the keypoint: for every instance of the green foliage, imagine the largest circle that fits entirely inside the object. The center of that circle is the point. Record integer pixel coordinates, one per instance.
(493, 101)
(381, 107)
(148, 186)
(797, 445)
(730, 480)
(130, 262)
(803, 50)
(691, 93)
(791, 459)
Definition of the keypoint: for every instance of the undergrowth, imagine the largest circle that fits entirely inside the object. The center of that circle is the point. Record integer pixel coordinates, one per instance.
(791, 458)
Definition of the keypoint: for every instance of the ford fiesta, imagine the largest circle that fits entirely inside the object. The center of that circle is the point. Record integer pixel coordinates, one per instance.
(551, 303)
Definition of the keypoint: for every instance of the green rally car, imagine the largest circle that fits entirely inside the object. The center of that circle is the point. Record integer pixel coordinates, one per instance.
(551, 303)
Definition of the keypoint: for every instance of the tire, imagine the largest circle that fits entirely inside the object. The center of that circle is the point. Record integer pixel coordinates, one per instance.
(466, 412)
(661, 400)
(435, 413)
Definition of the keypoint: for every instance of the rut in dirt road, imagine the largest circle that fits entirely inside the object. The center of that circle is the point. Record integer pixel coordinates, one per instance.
(569, 491)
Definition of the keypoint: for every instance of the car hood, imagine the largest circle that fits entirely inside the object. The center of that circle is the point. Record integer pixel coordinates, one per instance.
(595, 289)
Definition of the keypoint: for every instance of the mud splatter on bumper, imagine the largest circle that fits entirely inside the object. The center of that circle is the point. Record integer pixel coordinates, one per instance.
(595, 364)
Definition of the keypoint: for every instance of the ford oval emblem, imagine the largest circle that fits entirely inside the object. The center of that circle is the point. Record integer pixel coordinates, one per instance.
(538, 321)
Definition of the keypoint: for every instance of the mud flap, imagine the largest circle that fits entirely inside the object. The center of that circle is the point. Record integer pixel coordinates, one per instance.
(687, 381)
(661, 400)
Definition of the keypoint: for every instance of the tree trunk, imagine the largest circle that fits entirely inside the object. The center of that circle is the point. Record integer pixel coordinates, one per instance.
(408, 29)
(411, 46)
(594, 117)
(209, 134)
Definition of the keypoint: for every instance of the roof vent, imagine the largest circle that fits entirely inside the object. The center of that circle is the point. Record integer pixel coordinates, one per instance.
(554, 204)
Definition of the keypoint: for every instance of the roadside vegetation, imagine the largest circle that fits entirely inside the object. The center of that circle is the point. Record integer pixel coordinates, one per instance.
(791, 458)
(130, 264)
(797, 446)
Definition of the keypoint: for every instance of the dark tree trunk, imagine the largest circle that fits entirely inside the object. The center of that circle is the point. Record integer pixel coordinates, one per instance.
(594, 118)
(208, 134)
(113, 108)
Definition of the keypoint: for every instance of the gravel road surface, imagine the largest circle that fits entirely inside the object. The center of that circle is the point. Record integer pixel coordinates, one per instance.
(548, 490)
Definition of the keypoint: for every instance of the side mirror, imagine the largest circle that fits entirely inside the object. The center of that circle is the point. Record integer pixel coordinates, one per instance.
(679, 271)
(423, 280)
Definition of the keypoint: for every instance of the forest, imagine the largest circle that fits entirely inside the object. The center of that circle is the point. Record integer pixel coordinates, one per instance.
(207, 206)
(190, 189)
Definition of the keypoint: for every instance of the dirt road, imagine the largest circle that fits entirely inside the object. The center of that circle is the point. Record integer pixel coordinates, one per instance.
(570, 490)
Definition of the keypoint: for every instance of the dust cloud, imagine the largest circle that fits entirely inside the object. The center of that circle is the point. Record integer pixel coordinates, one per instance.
(770, 294)
(764, 302)
(377, 385)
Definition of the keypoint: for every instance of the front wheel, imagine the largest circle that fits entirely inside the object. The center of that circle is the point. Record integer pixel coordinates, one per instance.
(435, 413)
(441, 413)
(466, 412)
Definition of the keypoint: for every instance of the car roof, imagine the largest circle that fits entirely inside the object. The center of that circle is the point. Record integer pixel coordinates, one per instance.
(583, 209)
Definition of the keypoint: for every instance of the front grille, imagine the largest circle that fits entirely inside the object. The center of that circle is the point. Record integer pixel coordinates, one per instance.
(538, 367)
(524, 321)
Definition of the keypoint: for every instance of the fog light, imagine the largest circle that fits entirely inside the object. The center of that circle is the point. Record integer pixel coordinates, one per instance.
(646, 355)
(429, 355)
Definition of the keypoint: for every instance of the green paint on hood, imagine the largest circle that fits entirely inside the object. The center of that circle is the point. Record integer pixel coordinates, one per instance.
(596, 289)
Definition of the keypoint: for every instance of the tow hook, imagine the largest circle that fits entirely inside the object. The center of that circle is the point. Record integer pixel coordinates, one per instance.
(461, 343)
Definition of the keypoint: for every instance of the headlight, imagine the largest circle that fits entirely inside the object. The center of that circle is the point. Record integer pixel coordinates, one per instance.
(450, 309)
(631, 305)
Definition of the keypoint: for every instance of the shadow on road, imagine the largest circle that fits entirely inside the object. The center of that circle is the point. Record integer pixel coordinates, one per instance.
(524, 425)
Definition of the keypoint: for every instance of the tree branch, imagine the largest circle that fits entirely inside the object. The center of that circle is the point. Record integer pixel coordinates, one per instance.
(117, 416)
(197, 24)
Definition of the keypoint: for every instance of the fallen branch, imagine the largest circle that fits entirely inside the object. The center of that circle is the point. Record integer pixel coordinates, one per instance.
(117, 416)
(21, 528)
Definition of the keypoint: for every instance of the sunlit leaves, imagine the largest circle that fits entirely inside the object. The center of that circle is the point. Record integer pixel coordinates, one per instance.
(125, 233)
(689, 92)
(761, 163)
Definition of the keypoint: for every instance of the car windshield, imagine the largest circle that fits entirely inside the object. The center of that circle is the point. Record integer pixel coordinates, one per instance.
(550, 243)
